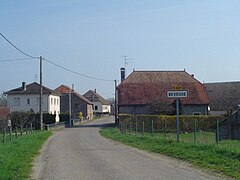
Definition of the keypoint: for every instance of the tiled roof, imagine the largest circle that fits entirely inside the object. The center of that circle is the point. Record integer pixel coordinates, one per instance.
(63, 89)
(223, 95)
(143, 87)
(4, 112)
(32, 88)
(95, 97)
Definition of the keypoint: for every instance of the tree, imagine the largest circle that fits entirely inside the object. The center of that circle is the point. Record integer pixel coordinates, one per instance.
(3, 100)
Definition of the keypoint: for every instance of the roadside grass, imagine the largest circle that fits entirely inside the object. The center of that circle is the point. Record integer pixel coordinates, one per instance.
(224, 159)
(16, 157)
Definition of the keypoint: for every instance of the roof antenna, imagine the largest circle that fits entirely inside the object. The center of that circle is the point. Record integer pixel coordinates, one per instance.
(36, 77)
(126, 61)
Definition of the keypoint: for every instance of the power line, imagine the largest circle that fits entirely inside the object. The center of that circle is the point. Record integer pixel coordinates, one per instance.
(12, 60)
(69, 70)
(16, 47)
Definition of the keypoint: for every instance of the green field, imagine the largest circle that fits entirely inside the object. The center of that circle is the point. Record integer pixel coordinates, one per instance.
(16, 156)
(224, 159)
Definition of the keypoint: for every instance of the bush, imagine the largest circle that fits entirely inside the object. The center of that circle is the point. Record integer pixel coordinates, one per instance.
(160, 122)
(63, 117)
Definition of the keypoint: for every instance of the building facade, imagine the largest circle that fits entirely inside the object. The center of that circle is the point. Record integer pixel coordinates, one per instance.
(26, 99)
(145, 92)
(78, 103)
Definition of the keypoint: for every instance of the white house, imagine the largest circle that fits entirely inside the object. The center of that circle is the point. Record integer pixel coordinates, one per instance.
(26, 98)
(100, 105)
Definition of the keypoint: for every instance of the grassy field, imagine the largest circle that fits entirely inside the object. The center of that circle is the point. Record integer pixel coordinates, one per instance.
(16, 156)
(224, 159)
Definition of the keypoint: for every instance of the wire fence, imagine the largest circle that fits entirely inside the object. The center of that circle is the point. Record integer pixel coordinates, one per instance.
(10, 133)
(191, 131)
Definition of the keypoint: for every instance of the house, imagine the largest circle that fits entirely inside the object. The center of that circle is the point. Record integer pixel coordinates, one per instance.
(224, 97)
(4, 114)
(100, 105)
(230, 127)
(26, 98)
(145, 92)
(78, 103)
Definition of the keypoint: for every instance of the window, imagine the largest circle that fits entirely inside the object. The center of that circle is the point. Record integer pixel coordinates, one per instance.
(54, 101)
(28, 101)
(96, 107)
(51, 101)
(16, 101)
(57, 101)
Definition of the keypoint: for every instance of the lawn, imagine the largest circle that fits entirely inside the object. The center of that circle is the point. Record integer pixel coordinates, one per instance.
(16, 157)
(224, 159)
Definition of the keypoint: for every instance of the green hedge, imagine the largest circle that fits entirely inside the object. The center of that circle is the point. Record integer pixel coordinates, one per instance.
(163, 122)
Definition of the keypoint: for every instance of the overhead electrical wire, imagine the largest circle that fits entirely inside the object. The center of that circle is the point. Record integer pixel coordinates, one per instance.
(19, 59)
(17, 47)
(69, 70)
(33, 57)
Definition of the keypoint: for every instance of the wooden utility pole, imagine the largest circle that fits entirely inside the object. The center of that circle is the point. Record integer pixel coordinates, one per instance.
(115, 101)
(40, 96)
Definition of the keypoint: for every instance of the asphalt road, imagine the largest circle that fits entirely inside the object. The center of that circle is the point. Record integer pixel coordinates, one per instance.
(81, 153)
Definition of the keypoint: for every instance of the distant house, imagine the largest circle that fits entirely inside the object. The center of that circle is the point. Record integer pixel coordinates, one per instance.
(78, 103)
(100, 105)
(224, 97)
(26, 98)
(145, 92)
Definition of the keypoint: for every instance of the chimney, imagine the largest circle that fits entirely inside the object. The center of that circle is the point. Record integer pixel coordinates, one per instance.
(72, 87)
(95, 90)
(192, 75)
(24, 88)
(122, 69)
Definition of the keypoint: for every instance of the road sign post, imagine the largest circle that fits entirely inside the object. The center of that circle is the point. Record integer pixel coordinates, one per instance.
(177, 94)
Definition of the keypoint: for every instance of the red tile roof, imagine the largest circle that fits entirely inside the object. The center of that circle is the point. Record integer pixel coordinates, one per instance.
(63, 89)
(142, 87)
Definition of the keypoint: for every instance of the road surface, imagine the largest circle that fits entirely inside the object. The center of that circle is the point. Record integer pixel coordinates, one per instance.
(81, 153)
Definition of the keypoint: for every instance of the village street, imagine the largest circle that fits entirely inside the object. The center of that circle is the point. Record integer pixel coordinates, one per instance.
(82, 153)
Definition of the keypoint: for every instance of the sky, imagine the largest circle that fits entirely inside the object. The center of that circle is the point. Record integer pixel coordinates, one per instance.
(92, 37)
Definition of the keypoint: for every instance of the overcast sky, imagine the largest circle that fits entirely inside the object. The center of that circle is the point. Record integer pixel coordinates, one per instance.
(92, 36)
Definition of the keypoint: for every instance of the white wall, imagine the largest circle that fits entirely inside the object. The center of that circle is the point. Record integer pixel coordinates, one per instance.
(34, 103)
(101, 108)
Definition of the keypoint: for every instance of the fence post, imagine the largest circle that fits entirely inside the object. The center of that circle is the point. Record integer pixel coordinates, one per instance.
(143, 129)
(152, 128)
(10, 132)
(16, 135)
(165, 128)
(217, 133)
(21, 131)
(130, 128)
(3, 135)
(195, 132)
(136, 127)
(26, 129)
(31, 129)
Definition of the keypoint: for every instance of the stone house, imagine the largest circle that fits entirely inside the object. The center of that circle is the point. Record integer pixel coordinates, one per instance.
(78, 103)
(145, 92)
(100, 105)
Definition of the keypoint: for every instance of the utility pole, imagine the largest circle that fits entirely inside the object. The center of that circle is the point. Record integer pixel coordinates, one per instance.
(115, 101)
(40, 96)
(70, 106)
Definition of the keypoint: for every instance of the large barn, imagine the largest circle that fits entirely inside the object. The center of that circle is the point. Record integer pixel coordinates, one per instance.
(145, 92)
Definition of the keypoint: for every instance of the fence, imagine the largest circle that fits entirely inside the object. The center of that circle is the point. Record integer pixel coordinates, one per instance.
(203, 130)
(9, 133)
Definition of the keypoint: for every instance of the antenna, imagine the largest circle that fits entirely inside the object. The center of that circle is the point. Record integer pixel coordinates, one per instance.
(36, 77)
(126, 61)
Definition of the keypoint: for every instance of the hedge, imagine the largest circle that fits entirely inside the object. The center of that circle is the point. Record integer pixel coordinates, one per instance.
(163, 122)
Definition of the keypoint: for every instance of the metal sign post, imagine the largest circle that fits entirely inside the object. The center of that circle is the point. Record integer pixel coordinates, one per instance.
(177, 94)
(177, 119)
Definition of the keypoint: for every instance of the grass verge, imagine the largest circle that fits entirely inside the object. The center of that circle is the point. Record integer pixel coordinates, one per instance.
(222, 160)
(16, 157)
